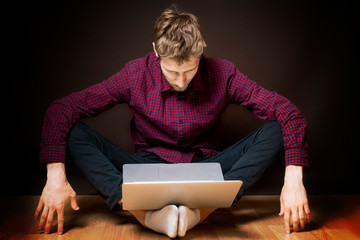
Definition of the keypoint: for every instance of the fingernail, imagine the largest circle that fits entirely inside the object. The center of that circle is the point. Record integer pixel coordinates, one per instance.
(288, 231)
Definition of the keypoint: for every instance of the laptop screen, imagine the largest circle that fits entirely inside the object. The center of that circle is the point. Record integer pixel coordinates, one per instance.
(172, 172)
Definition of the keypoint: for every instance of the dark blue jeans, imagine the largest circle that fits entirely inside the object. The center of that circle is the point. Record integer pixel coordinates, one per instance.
(101, 161)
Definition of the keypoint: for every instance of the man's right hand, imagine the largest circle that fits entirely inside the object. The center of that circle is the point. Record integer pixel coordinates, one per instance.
(56, 193)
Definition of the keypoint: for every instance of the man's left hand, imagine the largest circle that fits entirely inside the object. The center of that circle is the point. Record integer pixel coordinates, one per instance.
(294, 204)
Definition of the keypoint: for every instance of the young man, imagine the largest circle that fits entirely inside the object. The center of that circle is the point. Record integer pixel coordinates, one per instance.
(176, 96)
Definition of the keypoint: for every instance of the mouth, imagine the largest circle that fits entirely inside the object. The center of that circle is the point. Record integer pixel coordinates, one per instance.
(179, 89)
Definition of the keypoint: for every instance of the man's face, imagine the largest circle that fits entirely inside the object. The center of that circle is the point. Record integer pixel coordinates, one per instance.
(178, 75)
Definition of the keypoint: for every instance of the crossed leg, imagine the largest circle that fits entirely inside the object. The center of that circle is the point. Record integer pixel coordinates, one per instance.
(245, 160)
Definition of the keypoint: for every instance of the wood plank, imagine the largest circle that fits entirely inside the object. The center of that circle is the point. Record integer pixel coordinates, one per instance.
(255, 217)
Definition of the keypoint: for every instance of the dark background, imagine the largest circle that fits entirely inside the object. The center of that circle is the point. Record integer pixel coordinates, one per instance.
(304, 50)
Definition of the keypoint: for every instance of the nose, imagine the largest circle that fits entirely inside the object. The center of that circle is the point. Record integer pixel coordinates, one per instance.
(181, 81)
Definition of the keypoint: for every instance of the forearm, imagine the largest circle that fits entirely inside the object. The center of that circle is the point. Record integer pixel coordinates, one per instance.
(269, 105)
(63, 113)
(57, 122)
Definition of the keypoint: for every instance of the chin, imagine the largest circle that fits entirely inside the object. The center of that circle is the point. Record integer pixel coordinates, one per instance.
(176, 89)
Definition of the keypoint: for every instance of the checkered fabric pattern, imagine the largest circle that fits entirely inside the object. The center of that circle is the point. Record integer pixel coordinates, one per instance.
(174, 126)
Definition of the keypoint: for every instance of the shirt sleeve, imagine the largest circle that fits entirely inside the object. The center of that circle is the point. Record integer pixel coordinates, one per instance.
(63, 113)
(269, 105)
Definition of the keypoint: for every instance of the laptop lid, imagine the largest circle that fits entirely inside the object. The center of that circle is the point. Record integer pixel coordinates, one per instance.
(172, 172)
(196, 185)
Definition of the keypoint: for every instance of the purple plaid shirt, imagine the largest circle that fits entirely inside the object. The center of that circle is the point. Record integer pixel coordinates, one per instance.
(174, 126)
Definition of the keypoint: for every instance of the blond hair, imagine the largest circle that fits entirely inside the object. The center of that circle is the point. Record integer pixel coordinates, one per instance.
(178, 35)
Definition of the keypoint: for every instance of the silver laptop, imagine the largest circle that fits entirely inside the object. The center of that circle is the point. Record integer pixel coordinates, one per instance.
(196, 185)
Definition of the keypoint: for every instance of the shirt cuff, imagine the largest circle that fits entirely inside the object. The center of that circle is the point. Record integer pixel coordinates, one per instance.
(296, 157)
(53, 154)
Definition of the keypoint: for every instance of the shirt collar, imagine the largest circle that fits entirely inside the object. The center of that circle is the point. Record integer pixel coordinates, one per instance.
(197, 82)
(165, 86)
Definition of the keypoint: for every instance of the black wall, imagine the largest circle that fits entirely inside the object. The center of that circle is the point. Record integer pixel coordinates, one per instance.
(304, 50)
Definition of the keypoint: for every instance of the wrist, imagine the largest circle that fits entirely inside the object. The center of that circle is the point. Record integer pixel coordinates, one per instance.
(293, 173)
(56, 171)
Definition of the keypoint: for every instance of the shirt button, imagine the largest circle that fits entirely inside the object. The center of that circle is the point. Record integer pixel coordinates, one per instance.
(181, 121)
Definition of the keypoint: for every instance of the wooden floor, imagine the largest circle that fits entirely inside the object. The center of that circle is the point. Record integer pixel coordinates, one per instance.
(255, 217)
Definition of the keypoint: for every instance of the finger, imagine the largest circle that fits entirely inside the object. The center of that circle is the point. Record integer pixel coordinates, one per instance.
(295, 219)
(49, 220)
(73, 202)
(287, 220)
(307, 212)
(43, 217)
(60, 215)
(302, 218)
(38, 209)
(281, 213)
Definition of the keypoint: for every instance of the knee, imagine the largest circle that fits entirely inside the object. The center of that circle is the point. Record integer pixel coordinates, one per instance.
(274, 131)
(77, 133)
(273, 127)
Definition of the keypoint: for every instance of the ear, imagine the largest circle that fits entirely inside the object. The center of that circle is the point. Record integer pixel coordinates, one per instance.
(155, 49)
